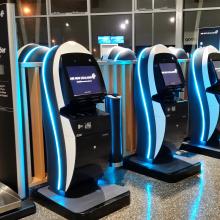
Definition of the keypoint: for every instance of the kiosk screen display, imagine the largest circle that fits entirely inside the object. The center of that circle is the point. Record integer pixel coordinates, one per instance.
(170, 74)
(217, 67)
(84, 80)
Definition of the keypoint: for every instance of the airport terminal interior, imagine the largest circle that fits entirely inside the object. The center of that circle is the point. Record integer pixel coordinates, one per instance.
(110, 109)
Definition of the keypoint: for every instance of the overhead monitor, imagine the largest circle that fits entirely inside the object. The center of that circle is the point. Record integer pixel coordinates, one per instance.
(111, 40)
(85, 80)
(117, 40)
(104, 40)
(170, 74)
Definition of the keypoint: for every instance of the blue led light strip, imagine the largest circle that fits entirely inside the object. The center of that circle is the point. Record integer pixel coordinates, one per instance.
(45, 61)
(119, 53)
(199, 96)
(145, 104)
(30, 53)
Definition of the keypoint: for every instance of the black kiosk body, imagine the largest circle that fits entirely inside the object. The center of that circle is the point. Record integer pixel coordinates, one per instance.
(78, 135)
(204, 100)
(158, 78)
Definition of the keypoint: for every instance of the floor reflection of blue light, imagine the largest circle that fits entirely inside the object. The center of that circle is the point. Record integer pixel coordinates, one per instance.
(59, 199)
(149, 200)
(195, 206)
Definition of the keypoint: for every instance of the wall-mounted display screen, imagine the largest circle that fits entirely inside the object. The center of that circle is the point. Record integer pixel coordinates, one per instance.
(104, 40)
(170, 74)
(84, 80)
(2, 71)
(117, 39)
(217, 68)
(111, 40)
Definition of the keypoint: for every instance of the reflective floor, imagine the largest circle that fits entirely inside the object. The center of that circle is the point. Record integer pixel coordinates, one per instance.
(196, 197)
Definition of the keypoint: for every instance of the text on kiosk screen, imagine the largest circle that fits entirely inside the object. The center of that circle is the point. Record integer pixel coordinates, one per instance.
(217, 67)
(170, 74)
(84, 80)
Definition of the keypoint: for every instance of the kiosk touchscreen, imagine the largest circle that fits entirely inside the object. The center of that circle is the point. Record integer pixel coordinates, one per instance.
(214, 61)
(170, 74)
(84, 76)
(157, 79)
(204, 103)
(216, 64)
(77, 134)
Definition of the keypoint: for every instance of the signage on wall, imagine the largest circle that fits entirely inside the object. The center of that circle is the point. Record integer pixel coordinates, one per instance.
(111, 40)
(190, 38)
(209, 36)
(6, 102)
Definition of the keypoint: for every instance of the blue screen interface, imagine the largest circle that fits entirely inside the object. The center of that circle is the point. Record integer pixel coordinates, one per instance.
(84, 80)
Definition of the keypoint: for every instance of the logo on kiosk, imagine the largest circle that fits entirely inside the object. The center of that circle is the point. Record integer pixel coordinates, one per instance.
(170, 71)
(83, 79)
(2, 50)
(209, 32)
(2, 13)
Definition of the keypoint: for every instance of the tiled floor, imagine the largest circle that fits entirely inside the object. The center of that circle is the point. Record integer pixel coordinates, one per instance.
(196, 197)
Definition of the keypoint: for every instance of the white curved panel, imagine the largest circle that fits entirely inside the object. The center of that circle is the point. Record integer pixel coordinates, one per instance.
(22, 48)
(160, 118)
(154, 51)
(213, 104)
(160, 121)
(69, 136)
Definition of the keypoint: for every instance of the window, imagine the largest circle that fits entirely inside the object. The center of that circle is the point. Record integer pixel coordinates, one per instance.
(164, 28)
(111, 25)
(165, 4)
(144, 4)
(70, 28)
(29, 8)
(201, 3)
(143, 31)
(68, 6)
(110, 5)
(32, 30)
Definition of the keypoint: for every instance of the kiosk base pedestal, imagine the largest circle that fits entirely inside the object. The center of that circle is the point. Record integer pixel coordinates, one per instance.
(95, 205)
(27, 208)
(210, 151)
(171, 171)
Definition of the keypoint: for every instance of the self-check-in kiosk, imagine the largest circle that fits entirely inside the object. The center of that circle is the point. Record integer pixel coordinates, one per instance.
(203, 92)
(77, 135)
(157, 78)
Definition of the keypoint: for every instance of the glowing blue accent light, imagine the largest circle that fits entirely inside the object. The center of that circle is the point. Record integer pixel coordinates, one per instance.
(145, 104)
(195, 207)
(20, 134)
(149, 200)
(110, 173)
(199, 96)
(182, 61)
(117, 56)
(50, 109)
(119, 53)
(121, 129)
(102, 182)
(28, 55)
